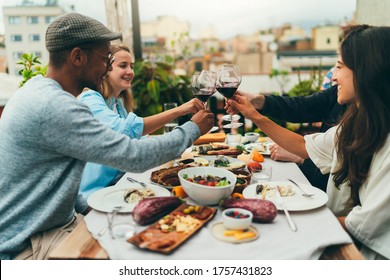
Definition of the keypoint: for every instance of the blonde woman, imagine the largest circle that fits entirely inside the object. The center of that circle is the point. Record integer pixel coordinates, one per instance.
(113, 107)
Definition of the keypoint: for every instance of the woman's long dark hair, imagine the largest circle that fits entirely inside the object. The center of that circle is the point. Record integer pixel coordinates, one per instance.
(365, 126)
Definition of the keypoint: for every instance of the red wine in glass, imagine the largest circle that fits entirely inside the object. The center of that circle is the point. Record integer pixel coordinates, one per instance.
(229, 78)
(228, 92)
(203, 85)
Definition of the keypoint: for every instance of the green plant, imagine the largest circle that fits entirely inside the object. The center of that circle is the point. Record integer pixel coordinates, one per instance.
(31, 67)
(281, 77)
(154, 84)
(307, 87)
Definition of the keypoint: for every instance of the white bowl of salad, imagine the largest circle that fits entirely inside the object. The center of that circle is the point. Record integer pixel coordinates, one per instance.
(207, 185)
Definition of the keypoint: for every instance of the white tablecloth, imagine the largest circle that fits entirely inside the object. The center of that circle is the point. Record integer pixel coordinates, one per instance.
(317, 229)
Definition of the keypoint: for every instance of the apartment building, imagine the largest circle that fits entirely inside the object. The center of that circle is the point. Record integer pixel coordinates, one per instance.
(25, 28)
(374, 12)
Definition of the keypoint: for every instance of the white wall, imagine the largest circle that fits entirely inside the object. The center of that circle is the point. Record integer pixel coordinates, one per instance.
(373, 12)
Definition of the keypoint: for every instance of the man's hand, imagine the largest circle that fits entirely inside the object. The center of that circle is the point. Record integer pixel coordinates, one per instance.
(280, 154)
(204, 119)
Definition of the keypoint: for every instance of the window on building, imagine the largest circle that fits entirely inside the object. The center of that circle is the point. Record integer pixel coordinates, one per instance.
(38, 53)
(14, 20)
(34, 37)
(17, 55)
(16, 38)
(49, 19)
(198, 66)
(32, 19)
(328, 41)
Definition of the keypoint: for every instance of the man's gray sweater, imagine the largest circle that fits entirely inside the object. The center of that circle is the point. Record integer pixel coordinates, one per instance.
(46, 137)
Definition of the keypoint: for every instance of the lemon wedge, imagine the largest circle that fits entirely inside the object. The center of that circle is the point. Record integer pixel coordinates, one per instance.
(201, 161)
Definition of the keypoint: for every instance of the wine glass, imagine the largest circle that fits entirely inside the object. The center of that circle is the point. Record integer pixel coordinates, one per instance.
(203, 85)
(229, 79)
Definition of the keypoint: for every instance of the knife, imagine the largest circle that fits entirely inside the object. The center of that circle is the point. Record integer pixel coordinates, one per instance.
(280, 201)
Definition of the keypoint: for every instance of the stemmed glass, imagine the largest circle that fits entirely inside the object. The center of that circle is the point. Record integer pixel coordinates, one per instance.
(203, 85)
(229, 79)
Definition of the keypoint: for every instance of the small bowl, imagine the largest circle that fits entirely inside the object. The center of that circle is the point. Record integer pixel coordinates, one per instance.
(243, 174)
(206, 195)
(237, 218)
(252, 136)
(241, 184)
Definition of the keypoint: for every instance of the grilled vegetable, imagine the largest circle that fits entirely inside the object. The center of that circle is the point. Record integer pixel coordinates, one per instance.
(179, 192)
(263, 211)
(151, 209)
(237, 195)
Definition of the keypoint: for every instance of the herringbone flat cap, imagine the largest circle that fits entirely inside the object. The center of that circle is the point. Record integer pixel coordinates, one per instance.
(74, 29)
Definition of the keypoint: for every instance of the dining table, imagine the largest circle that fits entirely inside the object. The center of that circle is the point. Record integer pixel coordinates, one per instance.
(318, 233)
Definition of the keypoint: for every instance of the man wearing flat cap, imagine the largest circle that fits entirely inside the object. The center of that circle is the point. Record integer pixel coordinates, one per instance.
(47, 136)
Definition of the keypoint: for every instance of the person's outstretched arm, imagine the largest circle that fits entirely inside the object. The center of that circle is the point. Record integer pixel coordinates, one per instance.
(152, 123)
(290, 141)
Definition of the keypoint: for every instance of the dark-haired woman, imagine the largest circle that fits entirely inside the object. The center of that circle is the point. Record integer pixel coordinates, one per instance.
(357, 151)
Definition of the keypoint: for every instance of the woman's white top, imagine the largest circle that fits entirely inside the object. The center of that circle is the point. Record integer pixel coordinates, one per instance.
(369, 222)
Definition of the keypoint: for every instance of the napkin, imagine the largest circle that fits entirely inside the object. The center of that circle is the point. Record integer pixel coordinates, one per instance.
(210, 137)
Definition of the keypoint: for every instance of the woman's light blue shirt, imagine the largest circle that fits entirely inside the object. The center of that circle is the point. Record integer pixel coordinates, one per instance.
(112, 113)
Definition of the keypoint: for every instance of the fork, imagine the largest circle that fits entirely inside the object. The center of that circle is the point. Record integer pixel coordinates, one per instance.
(305, 194)
(138, 182)
(115, 210)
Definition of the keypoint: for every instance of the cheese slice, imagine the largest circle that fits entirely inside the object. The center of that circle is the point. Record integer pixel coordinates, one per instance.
(244, 235)
(232, 232)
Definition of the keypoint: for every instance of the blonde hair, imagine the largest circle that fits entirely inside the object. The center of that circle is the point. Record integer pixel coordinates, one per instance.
(107, 90)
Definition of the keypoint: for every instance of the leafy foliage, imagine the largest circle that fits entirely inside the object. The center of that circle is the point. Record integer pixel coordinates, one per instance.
(154, 84)
(31, 67)
(307, 87)
(281, 77)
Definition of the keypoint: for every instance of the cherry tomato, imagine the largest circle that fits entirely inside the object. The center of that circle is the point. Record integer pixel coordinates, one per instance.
(254, 165)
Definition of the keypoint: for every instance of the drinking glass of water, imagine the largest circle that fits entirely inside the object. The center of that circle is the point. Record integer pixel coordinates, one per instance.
(261, 175)
(168, 127)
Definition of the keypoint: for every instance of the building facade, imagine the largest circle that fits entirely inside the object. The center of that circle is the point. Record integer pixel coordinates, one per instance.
(25, 29)
(373, 12)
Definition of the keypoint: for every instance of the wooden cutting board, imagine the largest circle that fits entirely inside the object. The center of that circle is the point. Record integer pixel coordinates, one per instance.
(210, 137)
(166, 241)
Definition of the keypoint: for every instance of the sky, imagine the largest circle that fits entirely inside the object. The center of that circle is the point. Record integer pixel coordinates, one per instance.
(227, 17)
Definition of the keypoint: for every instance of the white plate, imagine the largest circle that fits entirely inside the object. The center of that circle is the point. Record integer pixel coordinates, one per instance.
(106, 199)
(295, 202)
(218, 231)
(263, 148)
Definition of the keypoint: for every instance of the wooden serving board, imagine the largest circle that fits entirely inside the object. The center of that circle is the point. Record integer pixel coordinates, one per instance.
(155, 239)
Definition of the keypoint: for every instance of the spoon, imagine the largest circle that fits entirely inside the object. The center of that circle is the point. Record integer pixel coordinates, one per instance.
(135, 181)
(305, 194)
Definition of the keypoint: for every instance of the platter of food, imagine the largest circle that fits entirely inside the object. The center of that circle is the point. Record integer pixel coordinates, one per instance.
(217, 148)
(168, 178)
(292, 195)
(262, 147)
(172, 230)
(127, 197)
(229, 163)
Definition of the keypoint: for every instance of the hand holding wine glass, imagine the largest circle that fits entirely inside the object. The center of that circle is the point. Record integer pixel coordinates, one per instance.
(203, 85)
(228, 81)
